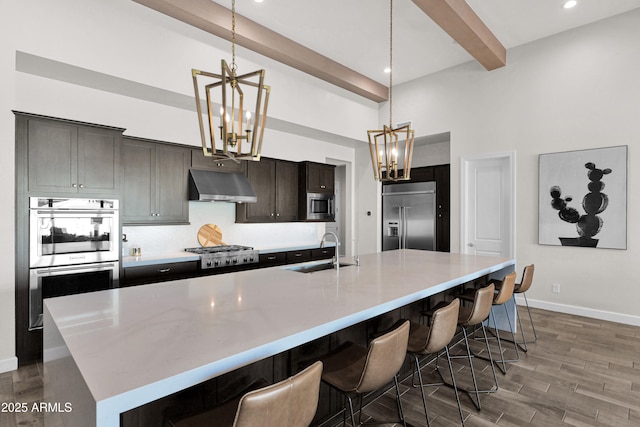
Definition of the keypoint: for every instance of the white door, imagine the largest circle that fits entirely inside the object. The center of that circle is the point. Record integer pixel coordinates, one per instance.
(488, 205)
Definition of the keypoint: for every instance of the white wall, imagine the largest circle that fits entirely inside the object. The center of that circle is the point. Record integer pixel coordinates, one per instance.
(572, 91)
(121, 64)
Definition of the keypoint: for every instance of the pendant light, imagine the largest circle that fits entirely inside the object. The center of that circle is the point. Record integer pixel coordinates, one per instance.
(391, 148)
(239, 128)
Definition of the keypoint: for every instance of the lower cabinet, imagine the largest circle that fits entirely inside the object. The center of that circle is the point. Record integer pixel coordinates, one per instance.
(146, 274)
(155, 186)
(159, 273)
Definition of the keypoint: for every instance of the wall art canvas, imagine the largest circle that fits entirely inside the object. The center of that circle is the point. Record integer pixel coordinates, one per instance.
(583, 198)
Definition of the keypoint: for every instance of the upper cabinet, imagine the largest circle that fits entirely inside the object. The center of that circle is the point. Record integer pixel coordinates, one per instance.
(200, 161)
(317, 177)
(276, 185)
(155, 182)
(69, 158)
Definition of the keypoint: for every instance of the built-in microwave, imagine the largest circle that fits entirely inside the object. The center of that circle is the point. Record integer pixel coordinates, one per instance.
(320, 207)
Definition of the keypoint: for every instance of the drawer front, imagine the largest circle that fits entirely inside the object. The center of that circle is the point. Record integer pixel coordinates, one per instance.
(322, 253)
(159, 272)
(298, 256)
(271, 259)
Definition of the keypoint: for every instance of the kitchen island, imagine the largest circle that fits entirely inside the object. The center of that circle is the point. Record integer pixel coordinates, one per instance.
(111, 351)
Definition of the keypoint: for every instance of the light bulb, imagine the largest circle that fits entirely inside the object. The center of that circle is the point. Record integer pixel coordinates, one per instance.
(569, 4)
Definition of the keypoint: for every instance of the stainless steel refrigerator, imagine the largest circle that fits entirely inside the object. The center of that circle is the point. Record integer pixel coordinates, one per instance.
(409, 216)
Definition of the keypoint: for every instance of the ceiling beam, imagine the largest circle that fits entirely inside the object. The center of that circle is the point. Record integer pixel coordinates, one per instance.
(215, 19)
(460, 21)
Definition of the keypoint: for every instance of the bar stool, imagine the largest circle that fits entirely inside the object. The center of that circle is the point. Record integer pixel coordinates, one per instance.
(425, 340)
(474, 316)
(522, 288)
(290, 403)
(354, 370)
(501, 297)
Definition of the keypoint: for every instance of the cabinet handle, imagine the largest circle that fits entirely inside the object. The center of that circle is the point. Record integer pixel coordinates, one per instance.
(323, 186)
(74, 185)
(298, 255)
(277, 214)
(164, 270)
(81, 185)
(271, 213)
(271, 258)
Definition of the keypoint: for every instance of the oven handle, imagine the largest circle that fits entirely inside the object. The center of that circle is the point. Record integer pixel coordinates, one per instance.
(81, 212)
(77, 268)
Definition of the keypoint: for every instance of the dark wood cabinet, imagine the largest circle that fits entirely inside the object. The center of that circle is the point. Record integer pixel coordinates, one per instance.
(302, 255)
(276, 185)
(272, 259)
(442, 176)
(155, 176)
(317, 177)
(65, 158)
(200, 161)
(158, 273)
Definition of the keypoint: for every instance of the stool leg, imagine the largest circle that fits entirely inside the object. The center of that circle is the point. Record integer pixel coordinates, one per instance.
(473, 372)
(535, 335)
(495, 326)
(523, 345)
(453, 381)
(353, 418)
(424, 399)
(493, 368)
(399, 402)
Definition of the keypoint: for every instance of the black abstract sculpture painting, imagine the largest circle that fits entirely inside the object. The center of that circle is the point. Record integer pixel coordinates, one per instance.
(594, 202)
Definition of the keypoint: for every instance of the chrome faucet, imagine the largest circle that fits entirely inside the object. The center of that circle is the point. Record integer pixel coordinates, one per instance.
(336, 258)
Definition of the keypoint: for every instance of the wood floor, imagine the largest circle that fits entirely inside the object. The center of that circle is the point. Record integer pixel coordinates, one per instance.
(581, 372)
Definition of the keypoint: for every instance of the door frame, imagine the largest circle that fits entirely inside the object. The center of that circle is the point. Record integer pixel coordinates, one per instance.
(465, 163)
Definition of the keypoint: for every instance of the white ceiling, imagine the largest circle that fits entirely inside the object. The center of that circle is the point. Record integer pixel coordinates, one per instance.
(355, 33)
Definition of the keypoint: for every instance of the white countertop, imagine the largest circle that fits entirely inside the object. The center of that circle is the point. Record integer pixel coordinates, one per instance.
(134, 345)
(142, 260)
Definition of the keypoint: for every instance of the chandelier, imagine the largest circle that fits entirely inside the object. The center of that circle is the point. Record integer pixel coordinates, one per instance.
(239, 129)
(391, 148)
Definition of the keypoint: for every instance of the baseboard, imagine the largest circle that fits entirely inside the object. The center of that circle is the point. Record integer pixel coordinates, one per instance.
(10, 364)
(610, 316)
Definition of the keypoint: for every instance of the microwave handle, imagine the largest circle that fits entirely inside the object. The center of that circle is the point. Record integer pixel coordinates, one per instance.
(331, 206)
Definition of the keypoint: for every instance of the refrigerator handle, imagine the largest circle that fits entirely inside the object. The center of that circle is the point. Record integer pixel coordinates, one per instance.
(404, 227)
(402, 238)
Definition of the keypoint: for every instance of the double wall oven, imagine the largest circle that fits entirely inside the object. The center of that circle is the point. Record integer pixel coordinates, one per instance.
(73, 248)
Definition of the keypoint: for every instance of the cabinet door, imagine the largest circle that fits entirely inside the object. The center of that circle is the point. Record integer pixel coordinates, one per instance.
(320, 178)
(138, 188)
(171, 174)
(52, 157)
(286, 191)
(98, 161)
(262, 176)
(443, 179)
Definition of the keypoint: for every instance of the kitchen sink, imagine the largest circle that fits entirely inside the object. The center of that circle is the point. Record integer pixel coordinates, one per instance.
(314, 266)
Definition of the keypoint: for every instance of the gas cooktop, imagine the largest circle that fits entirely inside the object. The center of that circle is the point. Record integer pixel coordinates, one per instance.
(224, 256)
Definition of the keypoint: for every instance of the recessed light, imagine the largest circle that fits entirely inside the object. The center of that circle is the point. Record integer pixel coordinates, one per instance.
(387, 70)
(569, 4)
(258, 1)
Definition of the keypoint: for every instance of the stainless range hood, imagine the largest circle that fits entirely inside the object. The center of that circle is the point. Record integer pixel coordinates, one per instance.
(210, 186)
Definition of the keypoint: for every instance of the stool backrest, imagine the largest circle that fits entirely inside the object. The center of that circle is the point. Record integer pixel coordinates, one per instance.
(384, 359)
(527, 278)
(290, 403)
(482, 302)
(506, 289)
(443, 327)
